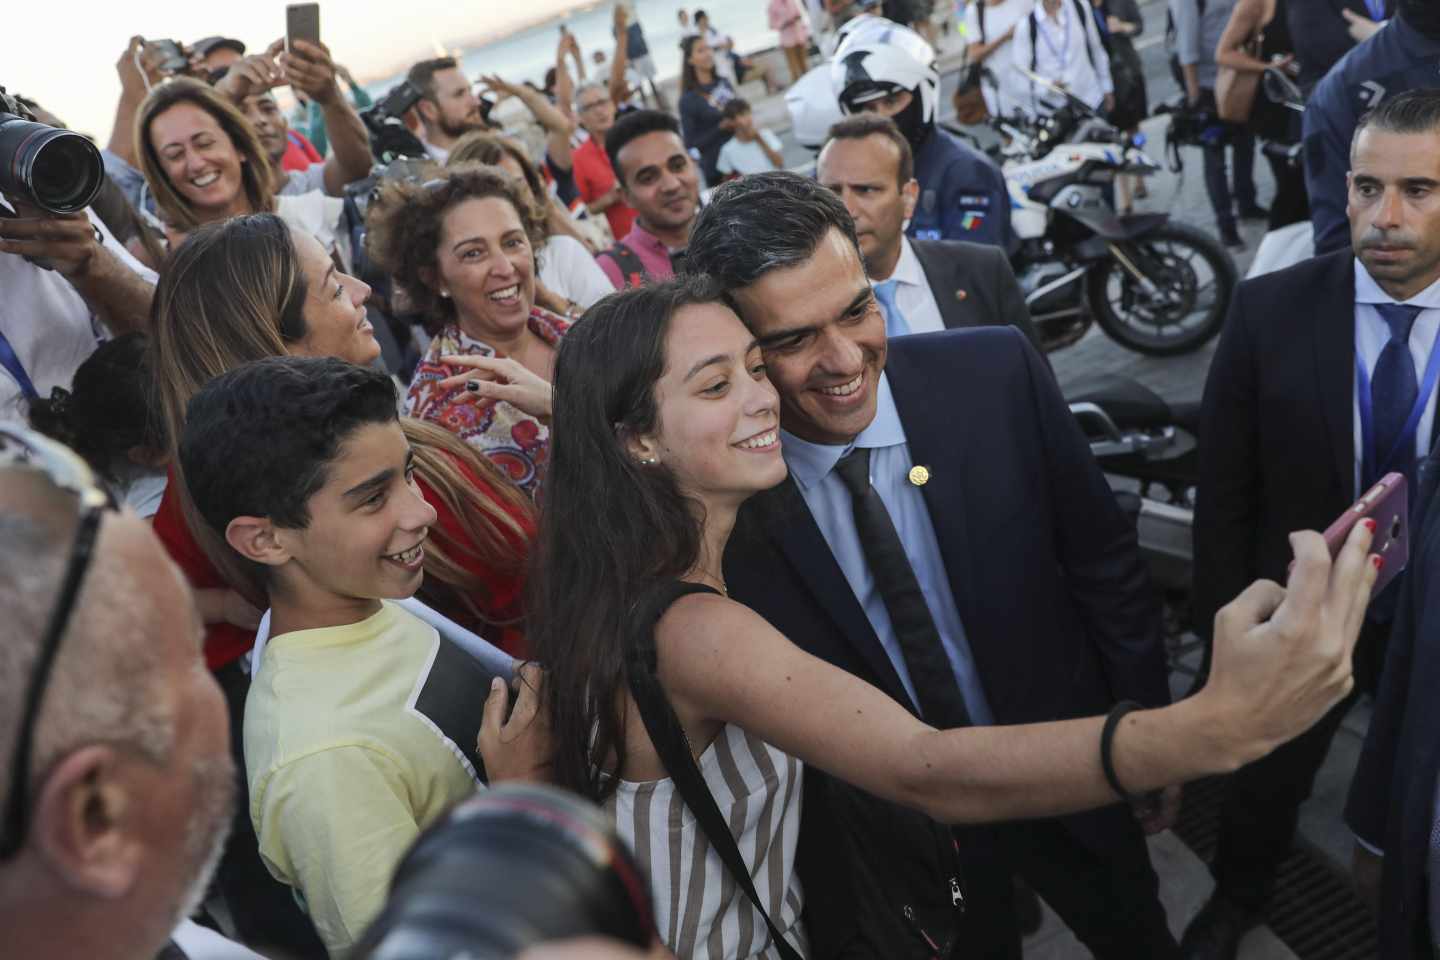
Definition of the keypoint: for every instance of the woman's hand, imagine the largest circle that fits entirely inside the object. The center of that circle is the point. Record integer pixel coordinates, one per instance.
(517, 748)
(1282, 656)
(501, 378)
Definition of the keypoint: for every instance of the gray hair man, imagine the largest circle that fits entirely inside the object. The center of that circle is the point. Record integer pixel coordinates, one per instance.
(116, 812)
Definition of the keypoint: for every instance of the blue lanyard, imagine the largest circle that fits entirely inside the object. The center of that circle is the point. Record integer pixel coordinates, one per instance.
(1370, 471)
(12, 365)
(1377, 9)
(1062, 53)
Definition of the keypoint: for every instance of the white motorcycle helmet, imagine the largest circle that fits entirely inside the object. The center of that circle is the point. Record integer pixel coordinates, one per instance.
(813, 106)
(870, 70)
(867, 28)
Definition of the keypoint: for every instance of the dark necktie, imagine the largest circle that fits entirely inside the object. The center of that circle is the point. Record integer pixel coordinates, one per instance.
(1393, 390)
(941, 704)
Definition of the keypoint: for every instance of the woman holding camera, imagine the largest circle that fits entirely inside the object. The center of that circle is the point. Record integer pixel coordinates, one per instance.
(463, 247)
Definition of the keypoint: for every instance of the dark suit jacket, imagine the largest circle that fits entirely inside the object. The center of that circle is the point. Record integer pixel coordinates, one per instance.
(973, 285)
(1277, 449)
(1044, 567)
(1392, 796)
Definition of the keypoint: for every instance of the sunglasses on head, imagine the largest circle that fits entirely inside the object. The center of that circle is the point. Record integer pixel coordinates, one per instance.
(26, 450)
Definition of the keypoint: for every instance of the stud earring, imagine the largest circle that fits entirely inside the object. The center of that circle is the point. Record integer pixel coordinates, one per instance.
(648, 462)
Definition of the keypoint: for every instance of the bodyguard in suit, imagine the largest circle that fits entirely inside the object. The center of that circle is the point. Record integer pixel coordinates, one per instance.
(923, 286)
(1395, 215)
(1323, 382)
(946, 536)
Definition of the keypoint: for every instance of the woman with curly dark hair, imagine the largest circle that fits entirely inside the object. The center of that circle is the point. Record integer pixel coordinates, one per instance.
(463, 247)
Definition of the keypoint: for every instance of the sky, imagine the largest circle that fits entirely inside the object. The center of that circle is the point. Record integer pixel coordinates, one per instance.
(63, 52)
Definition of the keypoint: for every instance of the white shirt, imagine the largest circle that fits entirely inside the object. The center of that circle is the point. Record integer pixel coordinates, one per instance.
(1060, 56)
(49, 325)
(568, 269)
(1371, 335)
(438, 154)
(912, 292)
(743, 158)
(1001, 96)
(724, 66)
(201, 943)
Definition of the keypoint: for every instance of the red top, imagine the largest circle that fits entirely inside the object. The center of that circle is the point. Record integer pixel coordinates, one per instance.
(225, 642)
(299, 152)
(594, 177)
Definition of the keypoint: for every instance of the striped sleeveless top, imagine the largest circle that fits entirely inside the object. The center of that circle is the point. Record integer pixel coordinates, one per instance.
(699, 910)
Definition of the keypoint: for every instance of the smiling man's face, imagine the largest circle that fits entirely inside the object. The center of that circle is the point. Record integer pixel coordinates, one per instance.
(823, 336)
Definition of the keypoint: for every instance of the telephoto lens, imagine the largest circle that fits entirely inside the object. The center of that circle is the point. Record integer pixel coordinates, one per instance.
(515, 866)
(53, 169)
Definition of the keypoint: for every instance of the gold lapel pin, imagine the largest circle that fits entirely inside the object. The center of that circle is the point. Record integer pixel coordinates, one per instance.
(919, 476)
(961, 295)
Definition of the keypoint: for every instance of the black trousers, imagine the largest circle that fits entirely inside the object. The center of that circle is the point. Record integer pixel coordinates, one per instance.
(1109, 900)
(1262, 800)
(1217, 183)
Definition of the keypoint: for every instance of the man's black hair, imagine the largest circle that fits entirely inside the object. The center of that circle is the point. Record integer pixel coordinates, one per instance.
(422, 75)
(259, 439)
(763, 222)
(632, 126)
(700, 15)
(862, 125)
(1413, 111)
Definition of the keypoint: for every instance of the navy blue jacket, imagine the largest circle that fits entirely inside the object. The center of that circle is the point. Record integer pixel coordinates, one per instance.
(1056, 604)
(962, 195)
(1392, 797)
(1396, 59)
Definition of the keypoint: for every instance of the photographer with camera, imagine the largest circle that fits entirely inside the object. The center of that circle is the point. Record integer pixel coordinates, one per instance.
(66, 279)
(310, 72)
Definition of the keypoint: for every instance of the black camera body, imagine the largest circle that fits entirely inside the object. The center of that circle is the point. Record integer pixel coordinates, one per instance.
(54, 169)
(390, 139)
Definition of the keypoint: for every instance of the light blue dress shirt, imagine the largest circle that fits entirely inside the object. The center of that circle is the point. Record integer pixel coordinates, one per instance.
(813, 467)
(1371, 335)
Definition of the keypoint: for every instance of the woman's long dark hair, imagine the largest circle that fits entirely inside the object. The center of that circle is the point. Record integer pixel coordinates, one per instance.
(611, 528)
(689, 76)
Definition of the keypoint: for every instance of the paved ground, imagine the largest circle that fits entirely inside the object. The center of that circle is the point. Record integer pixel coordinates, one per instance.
(1185, 881)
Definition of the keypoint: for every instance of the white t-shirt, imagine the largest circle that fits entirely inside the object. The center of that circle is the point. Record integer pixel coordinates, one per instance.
(567, 268)
(743, 158)
(48, 324)
(999, 97)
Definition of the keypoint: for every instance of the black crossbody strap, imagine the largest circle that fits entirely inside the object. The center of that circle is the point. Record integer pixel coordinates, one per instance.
(670, 743)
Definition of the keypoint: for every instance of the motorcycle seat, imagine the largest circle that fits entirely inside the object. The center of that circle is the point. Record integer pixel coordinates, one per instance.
(1132, 405)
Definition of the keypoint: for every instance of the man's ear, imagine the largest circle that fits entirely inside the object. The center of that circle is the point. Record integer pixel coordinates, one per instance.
(254, 538)
(86, 823)
(428, 111)
(910, 195)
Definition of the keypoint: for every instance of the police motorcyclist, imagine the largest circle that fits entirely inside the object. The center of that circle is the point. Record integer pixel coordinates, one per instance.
(962, 191)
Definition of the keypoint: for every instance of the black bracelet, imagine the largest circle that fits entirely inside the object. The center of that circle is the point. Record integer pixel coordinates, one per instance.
(1107, 744)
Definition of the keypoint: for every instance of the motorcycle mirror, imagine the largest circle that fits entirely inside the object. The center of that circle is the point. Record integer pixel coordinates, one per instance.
(1280, 89)
(1073, 100)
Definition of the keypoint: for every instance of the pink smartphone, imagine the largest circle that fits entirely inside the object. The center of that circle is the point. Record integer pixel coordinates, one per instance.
(1388, 505)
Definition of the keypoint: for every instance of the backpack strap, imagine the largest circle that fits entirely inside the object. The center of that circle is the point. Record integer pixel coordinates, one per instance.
(673, 747)
(1086, 18)
(632, 269)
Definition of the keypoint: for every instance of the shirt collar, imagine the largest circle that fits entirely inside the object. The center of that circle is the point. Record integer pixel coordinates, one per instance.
(1368, 291)
(809, 463)
(907, 269)
(640, 237)
(1061, 13)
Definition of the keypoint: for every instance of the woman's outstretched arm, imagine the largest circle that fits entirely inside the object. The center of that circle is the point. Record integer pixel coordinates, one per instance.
(1282, 658)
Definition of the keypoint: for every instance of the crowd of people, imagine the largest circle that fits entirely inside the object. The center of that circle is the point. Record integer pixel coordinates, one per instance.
(465, 553)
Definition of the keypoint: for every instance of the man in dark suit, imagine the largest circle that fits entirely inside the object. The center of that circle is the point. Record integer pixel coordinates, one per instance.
(1024, 577)
(1289, 443)
(924, 286)
(1392, 806)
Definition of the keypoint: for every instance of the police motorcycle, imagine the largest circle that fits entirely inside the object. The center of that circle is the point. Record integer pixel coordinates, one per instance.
(1155, 286)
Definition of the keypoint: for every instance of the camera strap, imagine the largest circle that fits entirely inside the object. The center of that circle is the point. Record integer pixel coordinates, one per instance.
(11, 362)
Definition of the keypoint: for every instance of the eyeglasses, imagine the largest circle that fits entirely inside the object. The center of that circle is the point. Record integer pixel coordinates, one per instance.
(584, 107)
(26, 449)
